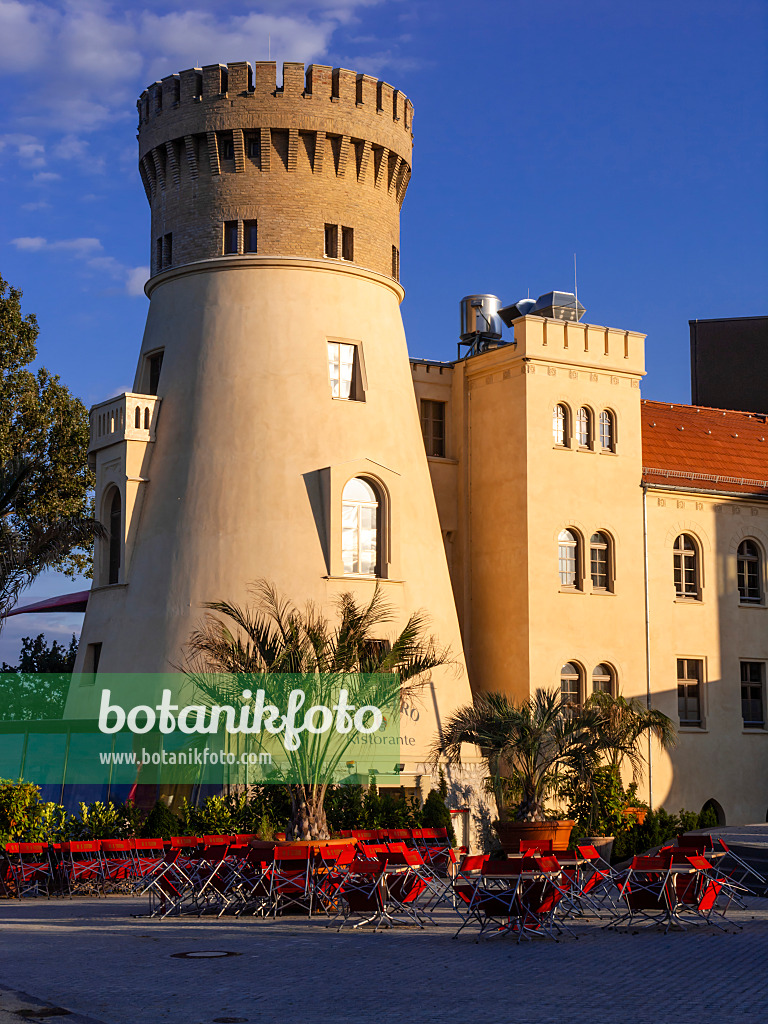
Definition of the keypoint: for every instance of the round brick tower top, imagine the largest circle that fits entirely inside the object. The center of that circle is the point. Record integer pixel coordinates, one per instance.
(317, 168)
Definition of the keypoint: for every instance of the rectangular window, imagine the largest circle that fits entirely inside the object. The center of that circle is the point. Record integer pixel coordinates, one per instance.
(690, 672)
(433, 427)
(395, 263)
(91, 663)
(752, 694)
(254, 148)
(230, 237)
(342, 369)
(158, 255)
(347, 244)
(167, 250)
(227, 149)
(154, 366)
(250, 236)
(332, 241)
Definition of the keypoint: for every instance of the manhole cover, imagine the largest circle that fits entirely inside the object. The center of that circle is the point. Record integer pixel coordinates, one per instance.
(204, 954)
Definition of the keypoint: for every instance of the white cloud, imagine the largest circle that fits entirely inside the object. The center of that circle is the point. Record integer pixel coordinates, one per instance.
(28, 149)
(79, 247)
(45, 176)
(89, 250)
(31, 207)
(136, 278)
(80, 63)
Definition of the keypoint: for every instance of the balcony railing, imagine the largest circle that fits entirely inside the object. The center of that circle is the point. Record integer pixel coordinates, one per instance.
(127, 417)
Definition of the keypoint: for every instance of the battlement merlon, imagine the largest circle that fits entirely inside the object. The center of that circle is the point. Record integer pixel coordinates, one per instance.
(219, 97)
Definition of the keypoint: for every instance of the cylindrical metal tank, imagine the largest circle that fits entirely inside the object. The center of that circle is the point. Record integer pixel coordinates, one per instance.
(480, 316)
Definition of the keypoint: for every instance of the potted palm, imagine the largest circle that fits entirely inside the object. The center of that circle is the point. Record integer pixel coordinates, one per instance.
(596, 797)
(528, 748)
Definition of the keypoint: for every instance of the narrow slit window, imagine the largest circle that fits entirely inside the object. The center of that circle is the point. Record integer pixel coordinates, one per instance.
(433, 427)
(250, 236)
(230, 237)
(332, 241)
(752, 712)
(115, 539)
(154, 367)
(395, 263)
(748, 557)
(606, 431)
(689, 676)
(167, 250)
(348, 244)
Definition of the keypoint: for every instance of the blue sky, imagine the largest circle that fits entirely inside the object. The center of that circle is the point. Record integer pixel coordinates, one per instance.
(633, 135)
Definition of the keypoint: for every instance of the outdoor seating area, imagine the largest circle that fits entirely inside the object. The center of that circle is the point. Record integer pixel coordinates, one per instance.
(386, 878)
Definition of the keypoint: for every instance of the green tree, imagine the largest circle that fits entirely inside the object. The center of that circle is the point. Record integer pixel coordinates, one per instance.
(275, 638)
(37, 687)
(528, 747)
(44, 433)
(38, 656)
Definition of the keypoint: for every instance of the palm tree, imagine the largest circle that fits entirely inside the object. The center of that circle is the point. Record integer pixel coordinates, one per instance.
(622, 724)
(26, 549)
(276, 641)
(527, 746)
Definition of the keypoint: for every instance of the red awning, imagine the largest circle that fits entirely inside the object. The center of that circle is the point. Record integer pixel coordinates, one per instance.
(66, 603)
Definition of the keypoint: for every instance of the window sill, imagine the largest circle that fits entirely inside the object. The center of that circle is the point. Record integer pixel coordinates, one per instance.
(754, 730)
(354, 401)
(585, 448)
(571, 590)
(602, 593)
(692, 728)
(688, 600)
(607, 451)
(443, 459)
(360, 577)
(751, 604)
(109, 586)
(562, 448)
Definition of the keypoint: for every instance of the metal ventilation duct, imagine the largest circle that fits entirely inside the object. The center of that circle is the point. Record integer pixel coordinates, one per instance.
(558, 306)
(520, 308)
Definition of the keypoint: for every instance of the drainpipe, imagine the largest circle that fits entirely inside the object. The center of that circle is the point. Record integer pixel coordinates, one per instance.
(647, 639)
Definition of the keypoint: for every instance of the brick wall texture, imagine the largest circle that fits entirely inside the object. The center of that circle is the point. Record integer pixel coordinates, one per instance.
(223, 143)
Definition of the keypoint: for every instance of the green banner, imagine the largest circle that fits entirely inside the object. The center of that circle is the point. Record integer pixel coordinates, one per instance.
(176, 729)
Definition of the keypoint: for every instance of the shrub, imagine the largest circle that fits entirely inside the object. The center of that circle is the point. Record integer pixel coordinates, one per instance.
(160, 823)
(23, 817)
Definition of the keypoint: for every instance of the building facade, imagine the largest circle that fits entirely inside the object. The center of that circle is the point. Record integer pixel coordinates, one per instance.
(597, 541)
(560, 531)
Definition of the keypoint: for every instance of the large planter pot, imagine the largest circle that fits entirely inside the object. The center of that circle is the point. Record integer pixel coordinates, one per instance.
(603, 845)
(511, 832)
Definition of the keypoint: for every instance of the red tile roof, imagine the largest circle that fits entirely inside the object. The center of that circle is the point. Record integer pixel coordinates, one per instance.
(706, 449)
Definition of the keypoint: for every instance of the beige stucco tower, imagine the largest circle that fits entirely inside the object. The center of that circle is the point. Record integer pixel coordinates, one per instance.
(273, 371)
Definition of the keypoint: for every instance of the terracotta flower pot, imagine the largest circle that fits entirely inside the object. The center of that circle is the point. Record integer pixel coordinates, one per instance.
(511, 832)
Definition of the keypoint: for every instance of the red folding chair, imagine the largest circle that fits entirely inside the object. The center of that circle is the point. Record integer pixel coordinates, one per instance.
(493, 903)
(32, 869)
(363, 895)
(83, 868)
(292, 879)
(645, 890)
(404, 883)
(119, 865)
(699, 897)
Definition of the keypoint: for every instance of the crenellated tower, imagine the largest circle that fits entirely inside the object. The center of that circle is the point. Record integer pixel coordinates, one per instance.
(272, 429)
(223, 145)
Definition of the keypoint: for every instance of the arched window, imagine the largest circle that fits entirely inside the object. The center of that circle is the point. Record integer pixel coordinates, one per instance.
(568, 559)
(748, 559)
(600, 561)
(146, 418)
(686, 567)
(602, 679)
(115, 537)
(560, 424)
(584, 428)
(359, 528)
(570, 684)
(137, 417)
(607, 433)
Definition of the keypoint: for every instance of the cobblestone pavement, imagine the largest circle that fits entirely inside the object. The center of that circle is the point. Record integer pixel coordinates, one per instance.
(92, 958)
